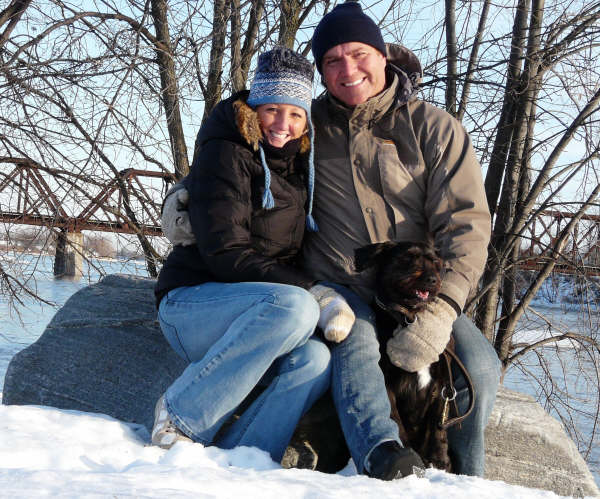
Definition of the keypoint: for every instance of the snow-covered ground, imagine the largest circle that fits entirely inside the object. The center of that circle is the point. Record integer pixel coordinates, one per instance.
(69, 454)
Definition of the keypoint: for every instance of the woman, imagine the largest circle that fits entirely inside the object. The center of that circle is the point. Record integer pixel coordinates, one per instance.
(233, 304)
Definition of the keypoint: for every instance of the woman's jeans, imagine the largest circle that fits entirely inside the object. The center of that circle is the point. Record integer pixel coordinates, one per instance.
(361, 400)
(235, 335)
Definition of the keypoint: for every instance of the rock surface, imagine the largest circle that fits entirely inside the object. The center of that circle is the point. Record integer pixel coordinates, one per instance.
(526, 446)
(104, 352)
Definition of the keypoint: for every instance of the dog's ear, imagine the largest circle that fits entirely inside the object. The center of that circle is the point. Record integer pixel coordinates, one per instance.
(369, 255)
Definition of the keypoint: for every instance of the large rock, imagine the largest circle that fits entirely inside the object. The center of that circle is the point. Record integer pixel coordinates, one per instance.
(526, 446)
(104, 352)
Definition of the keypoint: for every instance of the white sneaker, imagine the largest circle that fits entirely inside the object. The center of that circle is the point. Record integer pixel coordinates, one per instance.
(164, 431)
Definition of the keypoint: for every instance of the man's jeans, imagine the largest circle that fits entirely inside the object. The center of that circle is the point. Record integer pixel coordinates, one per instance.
(361, 400)
(234, 335)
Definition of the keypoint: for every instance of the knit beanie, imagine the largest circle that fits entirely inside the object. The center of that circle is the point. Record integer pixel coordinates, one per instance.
(285, 77)
(345, 23)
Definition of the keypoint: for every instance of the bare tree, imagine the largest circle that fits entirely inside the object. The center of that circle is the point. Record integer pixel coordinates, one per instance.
(98, 245)
(169, 86)
(93, 89)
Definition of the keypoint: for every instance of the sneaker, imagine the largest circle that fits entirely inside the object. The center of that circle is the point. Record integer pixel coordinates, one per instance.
(390, 461)
(164, 431)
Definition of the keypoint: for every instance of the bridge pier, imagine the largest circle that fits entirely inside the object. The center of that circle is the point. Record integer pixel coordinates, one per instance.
(68, 261)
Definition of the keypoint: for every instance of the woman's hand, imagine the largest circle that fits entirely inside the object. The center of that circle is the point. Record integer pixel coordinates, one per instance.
(337, 318)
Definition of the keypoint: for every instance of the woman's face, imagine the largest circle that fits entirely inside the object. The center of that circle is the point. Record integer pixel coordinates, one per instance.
(281, 123)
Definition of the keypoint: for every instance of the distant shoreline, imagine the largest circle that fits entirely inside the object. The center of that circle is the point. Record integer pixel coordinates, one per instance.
(6, 248)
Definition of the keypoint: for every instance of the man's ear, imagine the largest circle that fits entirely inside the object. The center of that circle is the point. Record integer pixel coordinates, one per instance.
(369, 255)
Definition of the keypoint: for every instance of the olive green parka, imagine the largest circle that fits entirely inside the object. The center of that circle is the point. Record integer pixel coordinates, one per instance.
(396, 168)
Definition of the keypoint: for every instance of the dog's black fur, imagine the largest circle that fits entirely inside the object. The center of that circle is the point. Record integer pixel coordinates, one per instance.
(408, 276)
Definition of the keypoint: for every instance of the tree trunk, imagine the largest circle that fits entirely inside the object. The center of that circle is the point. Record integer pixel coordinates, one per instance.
(485, 316)
(464, 98)
(505, 237)
(290, 22)
(169, 88)
(238, 80)
(11, 15)
(292, 16)
(497, 165)
(248, 49)
(451, 57)
(215, 71)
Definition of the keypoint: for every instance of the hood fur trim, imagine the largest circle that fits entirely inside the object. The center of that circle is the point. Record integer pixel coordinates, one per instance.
(246, 120)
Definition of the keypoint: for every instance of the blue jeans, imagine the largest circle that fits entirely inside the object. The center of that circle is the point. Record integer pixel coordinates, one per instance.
(233, 335)
(479, 357)
(361, 399)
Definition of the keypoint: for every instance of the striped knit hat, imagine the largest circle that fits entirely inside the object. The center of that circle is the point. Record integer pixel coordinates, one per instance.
(285, 77)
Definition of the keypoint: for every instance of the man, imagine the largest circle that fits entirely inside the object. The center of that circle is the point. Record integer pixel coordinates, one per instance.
(391, 167)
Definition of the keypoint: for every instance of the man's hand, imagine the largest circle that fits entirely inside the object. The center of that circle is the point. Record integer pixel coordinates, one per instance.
(175, 219)
(337, 318)
(420, 344)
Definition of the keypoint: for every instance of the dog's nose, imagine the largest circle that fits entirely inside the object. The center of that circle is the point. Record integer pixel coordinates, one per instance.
(432, 280)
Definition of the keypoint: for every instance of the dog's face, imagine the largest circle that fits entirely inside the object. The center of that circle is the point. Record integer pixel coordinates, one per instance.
(408, 274)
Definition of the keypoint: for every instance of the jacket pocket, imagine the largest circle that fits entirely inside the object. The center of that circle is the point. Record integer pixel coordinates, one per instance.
(404, 190)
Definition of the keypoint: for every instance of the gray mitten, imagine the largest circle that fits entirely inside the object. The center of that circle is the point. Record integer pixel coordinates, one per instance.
(175, 219)
(337, 318)
(419, 344)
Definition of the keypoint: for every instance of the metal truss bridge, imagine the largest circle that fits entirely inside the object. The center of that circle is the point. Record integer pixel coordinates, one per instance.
(128, 203)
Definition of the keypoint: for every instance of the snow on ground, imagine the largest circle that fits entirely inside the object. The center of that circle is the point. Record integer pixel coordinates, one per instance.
(72, 454)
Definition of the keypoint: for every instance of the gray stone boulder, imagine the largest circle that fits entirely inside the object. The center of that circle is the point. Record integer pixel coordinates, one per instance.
(103, 352)
(526, 446)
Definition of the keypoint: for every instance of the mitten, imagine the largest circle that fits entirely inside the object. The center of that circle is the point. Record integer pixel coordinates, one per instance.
(419, 344)
(337, 318)
(175, 218)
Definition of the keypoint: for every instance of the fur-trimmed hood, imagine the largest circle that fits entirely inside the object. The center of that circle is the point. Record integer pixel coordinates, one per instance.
(234, 120)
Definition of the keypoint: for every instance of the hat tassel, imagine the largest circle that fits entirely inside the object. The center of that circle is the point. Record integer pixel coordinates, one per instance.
(268, 202)
(311, 224)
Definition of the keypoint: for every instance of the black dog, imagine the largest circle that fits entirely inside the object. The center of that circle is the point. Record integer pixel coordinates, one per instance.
(408, 276)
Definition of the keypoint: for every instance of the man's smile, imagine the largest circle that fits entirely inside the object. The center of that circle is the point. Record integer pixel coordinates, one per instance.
(354, 83)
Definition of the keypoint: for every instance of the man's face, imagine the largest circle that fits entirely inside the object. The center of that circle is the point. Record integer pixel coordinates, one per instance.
(353, 72)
